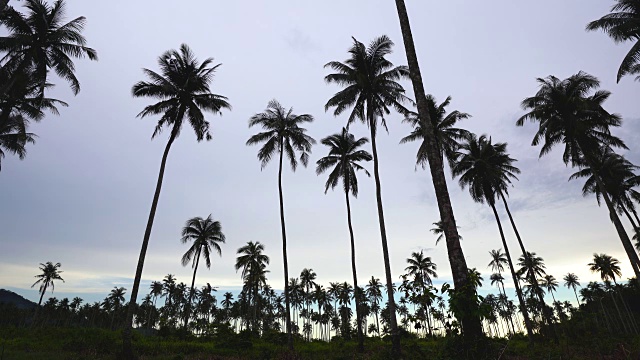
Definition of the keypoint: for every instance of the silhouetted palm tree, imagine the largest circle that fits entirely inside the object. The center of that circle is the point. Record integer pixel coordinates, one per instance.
(569, 114)
(14, 137)
(182, 88)
(623, 24)
(282, 135)
(371, 89)
(253, 263)
(206, 235)
(469, 320)
(447, 137)
(550, 282)
(40, 39)
(487, 170)
(571, 281)
(607, 266)
(50, 273)
(344, 157)
(438, 230)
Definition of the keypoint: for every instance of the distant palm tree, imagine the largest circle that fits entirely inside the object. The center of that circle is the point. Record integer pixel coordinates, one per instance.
(498, 260)
(486, 169)
(438, 230)
(50, 273)
(206, 235)
(282, 135)
(374, 294)
(344, 158)
(371, 89)
(571, 281)
(447, 137)
(422, 268)
(569, 113)
(40, 39)
(607, 266)
(497, 278)
(550, 282)
(307, 282)
(182, 86)
(253, 263)
(469, 320)
(623, 24)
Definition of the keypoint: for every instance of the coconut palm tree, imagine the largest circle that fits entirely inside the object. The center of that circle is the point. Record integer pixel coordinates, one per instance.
(253, 263)
(438, 230)
(40, 39)
(569, 113)
(282, 135)
(49, 273)
(623, 24)
(571, 281)
(550, 282)
(182, 88)
(373, 292)
(422, 268)
(470, 320)
(206, 235)
(14, 137)
(371, 90)
(344, 158)
(307, 282)
(447, 137)
(607, 266)
(486, 169)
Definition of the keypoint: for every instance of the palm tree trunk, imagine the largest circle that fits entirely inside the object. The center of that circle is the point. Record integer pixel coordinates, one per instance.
(395, 338)
(576, 294)
(532, 276)
(284, 251)
(635, 228)
(470, 320)
(635, 215)
(127, 349)
(355, 275)
(525, 314)
(193, 282)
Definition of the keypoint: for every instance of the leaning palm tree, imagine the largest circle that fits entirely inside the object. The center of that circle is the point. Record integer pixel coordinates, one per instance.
(447, 136)
(569, 113)
(571, 281)
(42, 40)
(623, 24)
(206, 235)
(343, 160)
(49, 273)
(182, 88)
(486, 169)
(469, 320)
(284, 136)
(371, 90)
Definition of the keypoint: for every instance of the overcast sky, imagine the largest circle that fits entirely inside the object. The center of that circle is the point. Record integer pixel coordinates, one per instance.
(82, 195)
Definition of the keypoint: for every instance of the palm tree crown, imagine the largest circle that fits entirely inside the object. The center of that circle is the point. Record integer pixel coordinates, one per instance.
(206, 235)
(49, 273)
(344, 157)
(623, 24)
(447, 136)
(40, 39)
(282, 134)
(606, 265)
(421, 267)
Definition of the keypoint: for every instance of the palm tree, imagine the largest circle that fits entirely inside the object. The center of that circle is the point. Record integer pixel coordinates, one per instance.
(14, 137)
(374, 294)
(447, 137)
(253, 263)
(40, 39)
(623, 24)
(307, 281)
(551, 284)
(206, 235)
(439, 230)
(182, 86)
(498, 260)
(344, 157)
(422, 268)
(470, 321)
(282, 135)
(571, 281)
(486, 169)
(49, 273)
(569, 114)
(371, 89)
(607, 266)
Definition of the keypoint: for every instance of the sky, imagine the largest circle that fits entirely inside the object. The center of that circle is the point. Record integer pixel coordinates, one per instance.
(82, 195)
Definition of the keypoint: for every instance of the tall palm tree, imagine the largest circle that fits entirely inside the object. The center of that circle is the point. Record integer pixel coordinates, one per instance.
(206, 235)
(374, 294)
(486, 169)
(41, 38)
(619, 179)
(422, 268)
(571, 281)
(371, 89)
(253, 263)
(282, 135)
(607, 266)
(307, 282)
(447, 137)
(470, 320)
(344, 158)
(569, 113)
(623, 24)
(49, 273)
(182, 88)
